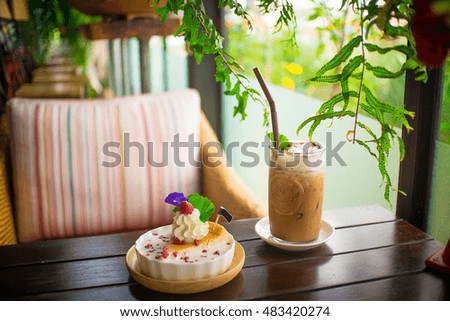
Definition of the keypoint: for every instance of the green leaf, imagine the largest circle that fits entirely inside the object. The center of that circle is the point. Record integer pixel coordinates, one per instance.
(382, 72)
(163, 12)
(242, 105)
(408, 51)
(357, 75)
(233, 91)
(194, 31)
(345, 94)
(368, 130)
(329, 104)
(181, 30)
(319, 118)
(360, 142)
(351, 66)
(198, 57)
(329, 79)
(401, 147)
(374, 112)
(397, 113)
(401, 31)
(204, 206)
(244, 100)
(241, 76)
(387, 193)
(373, 101)
(284, 141)
(341, 56)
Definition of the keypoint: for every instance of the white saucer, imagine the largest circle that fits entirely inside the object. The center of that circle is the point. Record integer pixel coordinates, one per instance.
(262, 228)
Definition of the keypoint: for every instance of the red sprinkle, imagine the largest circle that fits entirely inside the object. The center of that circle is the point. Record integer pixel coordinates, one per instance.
(158, 257)
(165, 252)
(175, 254)
(196, 242)
(216, 253)
(148, 246)
(154, 234)
(204, 251)
(177, 241)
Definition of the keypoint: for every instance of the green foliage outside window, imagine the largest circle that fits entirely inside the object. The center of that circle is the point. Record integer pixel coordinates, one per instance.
(444, 133)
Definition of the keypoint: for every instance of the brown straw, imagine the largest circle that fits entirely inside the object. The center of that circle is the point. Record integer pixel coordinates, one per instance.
(273, 110)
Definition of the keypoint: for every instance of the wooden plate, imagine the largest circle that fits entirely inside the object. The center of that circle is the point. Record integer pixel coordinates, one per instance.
(185, 287)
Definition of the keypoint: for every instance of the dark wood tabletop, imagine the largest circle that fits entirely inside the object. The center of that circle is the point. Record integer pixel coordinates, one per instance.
(372, 256)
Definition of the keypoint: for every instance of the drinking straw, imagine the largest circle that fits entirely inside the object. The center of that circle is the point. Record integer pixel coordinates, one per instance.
(273, 110)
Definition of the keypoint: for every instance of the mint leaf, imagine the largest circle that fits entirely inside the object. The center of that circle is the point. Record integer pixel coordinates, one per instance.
(203, 204)
(284, 141)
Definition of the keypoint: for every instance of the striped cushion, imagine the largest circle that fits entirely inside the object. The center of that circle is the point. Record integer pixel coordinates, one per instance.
(64, 183)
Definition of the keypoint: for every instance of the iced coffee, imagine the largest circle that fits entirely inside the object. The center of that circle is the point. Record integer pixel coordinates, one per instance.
(296, 184)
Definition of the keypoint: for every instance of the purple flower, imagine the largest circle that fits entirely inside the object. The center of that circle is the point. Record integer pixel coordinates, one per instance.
(175, 199)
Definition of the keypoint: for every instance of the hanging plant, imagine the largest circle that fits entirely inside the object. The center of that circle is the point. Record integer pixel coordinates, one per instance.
(53, 21)
(393, 18)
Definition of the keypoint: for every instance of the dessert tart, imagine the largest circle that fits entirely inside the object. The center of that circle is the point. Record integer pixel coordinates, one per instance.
(191, 248)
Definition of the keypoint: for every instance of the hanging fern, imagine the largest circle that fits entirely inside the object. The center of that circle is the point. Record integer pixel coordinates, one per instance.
(352, 66)
(54, 19)
(350, 62)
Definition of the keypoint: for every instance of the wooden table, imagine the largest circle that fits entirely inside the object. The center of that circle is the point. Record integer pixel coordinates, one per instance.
(372, 256)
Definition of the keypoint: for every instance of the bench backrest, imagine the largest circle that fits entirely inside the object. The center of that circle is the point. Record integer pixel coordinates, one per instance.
(67, 183)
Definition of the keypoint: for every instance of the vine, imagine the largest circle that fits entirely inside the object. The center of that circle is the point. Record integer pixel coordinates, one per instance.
(392, 18)
(387, 115)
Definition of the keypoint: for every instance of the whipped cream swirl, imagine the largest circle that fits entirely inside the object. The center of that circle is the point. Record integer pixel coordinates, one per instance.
(188, 227)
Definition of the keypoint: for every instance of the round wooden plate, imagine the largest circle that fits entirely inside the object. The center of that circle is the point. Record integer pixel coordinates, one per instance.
(185, 287)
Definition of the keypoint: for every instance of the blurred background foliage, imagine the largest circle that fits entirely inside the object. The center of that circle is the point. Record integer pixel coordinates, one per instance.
(53, 30)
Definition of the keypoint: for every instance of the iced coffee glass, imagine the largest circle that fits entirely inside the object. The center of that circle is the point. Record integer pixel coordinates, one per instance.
(296, 184)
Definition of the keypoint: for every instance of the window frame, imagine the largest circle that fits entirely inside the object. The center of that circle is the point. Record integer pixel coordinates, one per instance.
(416, 170)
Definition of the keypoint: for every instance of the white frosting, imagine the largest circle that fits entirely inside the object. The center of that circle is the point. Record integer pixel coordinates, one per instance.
(300, 157)
(188, 227)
